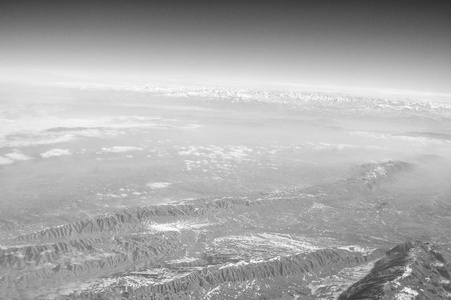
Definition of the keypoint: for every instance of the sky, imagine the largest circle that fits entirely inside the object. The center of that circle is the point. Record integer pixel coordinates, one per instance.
(362, 44)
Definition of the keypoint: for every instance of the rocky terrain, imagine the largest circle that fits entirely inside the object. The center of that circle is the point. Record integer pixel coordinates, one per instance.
(163, 192)
(413, 270)
(316, 242)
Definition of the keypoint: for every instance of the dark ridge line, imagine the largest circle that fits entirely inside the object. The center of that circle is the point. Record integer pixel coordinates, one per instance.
(130, 216)
(199, 207)
(214, 275)
(137, 253)
(17, 257)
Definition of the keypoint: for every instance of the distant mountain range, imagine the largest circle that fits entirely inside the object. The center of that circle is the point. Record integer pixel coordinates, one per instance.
(292, 99)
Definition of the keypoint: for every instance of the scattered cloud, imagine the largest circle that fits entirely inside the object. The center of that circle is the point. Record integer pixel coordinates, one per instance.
(55, 153)
(12, 157)
(5, 161)
(158, 185)
(121, 149)
(17, 156)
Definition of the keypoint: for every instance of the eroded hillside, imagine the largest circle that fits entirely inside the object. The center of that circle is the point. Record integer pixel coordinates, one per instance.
(306, 243)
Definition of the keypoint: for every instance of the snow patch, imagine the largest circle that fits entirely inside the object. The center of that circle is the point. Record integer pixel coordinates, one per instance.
(175, 226)
(406, 294)
(355, 248)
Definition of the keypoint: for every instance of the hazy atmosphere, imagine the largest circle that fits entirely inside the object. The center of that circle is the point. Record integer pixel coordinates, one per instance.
(225, 150)
(383, 44)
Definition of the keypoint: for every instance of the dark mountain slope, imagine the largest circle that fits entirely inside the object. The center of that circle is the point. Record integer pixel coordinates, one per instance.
(411, 270)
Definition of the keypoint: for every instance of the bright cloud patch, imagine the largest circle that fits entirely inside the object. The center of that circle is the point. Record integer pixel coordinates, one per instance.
(121, 149)
(55, 152)
(5, 161)
(17, 156)
(158, 185)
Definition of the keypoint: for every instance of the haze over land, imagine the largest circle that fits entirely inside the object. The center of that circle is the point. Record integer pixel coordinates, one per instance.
(207, 178)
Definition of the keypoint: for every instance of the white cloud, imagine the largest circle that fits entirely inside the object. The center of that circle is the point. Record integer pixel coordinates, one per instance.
(38, 127)
(5, 161)
(17, 156)
(55, 152)
(158, 185)
(121, 149)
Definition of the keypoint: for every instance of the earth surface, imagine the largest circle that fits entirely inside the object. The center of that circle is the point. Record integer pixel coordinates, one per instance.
(182, 192)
